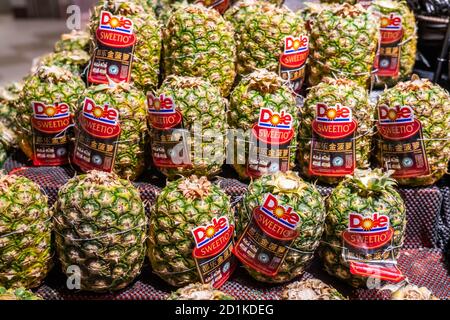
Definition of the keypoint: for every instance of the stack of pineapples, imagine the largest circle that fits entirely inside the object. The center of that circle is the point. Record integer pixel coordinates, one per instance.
(206, 72)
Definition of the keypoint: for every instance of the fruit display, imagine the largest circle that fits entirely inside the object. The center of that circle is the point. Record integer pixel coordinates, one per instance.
(75, 40)
(336, 125)
(310, 289)
(362, 202)
(280, 223)
(199, 291)
(191, 224)
(25, 233)
(200, 110)
(111, 130)
(100, 227)
(421, 154)
(343, 43)
(139, 51)
(398, 31)
(262, 104)
(17, 294)
(198, 42)
(261, 32)
(44, 113)
(413, 292)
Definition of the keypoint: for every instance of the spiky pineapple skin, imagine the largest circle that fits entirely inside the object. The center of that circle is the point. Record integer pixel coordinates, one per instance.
(9, 98)
(75, 61)
(347, 198)
(75, 40)
(343, 43)
(173, 217)
(431, 106)
(101, 226)
(25, 233)
(261, 28)
(200, 104)
(260, 89)
(310, 289)
(147, 52)
(131, 104)
(199, 291)
(198, 42)
(349, 94)
(409, 39)
(48, 85)
(307, 202)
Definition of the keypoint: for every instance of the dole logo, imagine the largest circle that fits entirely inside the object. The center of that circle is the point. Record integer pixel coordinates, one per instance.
(337, 113)
(376, 223)
(296, 44)
(391, 22)
(283, 214)
(54, 111)
(161, 104)
(205, 234)
(271, 119)
(111, 22)
(105, 114)
(397, 114)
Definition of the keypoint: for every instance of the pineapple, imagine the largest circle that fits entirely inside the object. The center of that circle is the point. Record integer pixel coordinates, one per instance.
(9, 97)
(367, 196)
(199, 291)
(52, 86)
(147, 51)
(413, 292)
(75, 40)
(25, 233)
(17, 294)
(75, 61)
(290, 200)
(129, 160)
(261, 29)
(430, 104)
(408, 40)
(260, 90)
(310, 289)
(184, 207)
(198, 42)
(100, 226)
(343, 43)
(203, 113)
(337, 94)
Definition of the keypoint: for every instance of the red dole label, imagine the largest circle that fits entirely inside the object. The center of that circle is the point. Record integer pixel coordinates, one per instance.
(264, 244)
(277, 221)
(162, 112)
(212, 239)
(333, 121)
(296, 51)
(213, 251)
(115, 31)
(100, 121)
(397, 123)
(387, 62)
(368, 232)
(391, 28)
(274, 127)
(53, 118)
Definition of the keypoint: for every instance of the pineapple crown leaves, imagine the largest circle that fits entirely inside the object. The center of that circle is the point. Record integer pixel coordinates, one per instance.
(287, 182)
(372, 180)
(311, 289)
(415, 84)
(194, 187)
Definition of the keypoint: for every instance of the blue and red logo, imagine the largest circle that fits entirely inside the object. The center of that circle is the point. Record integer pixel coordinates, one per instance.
(212, 239)
(368, 232)
(119, 24)
(395, 115)
(334, 122)
(391, 22)
(52, 118)
(100, 121)
(336, 113)
(162, 113)
(271, 119)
